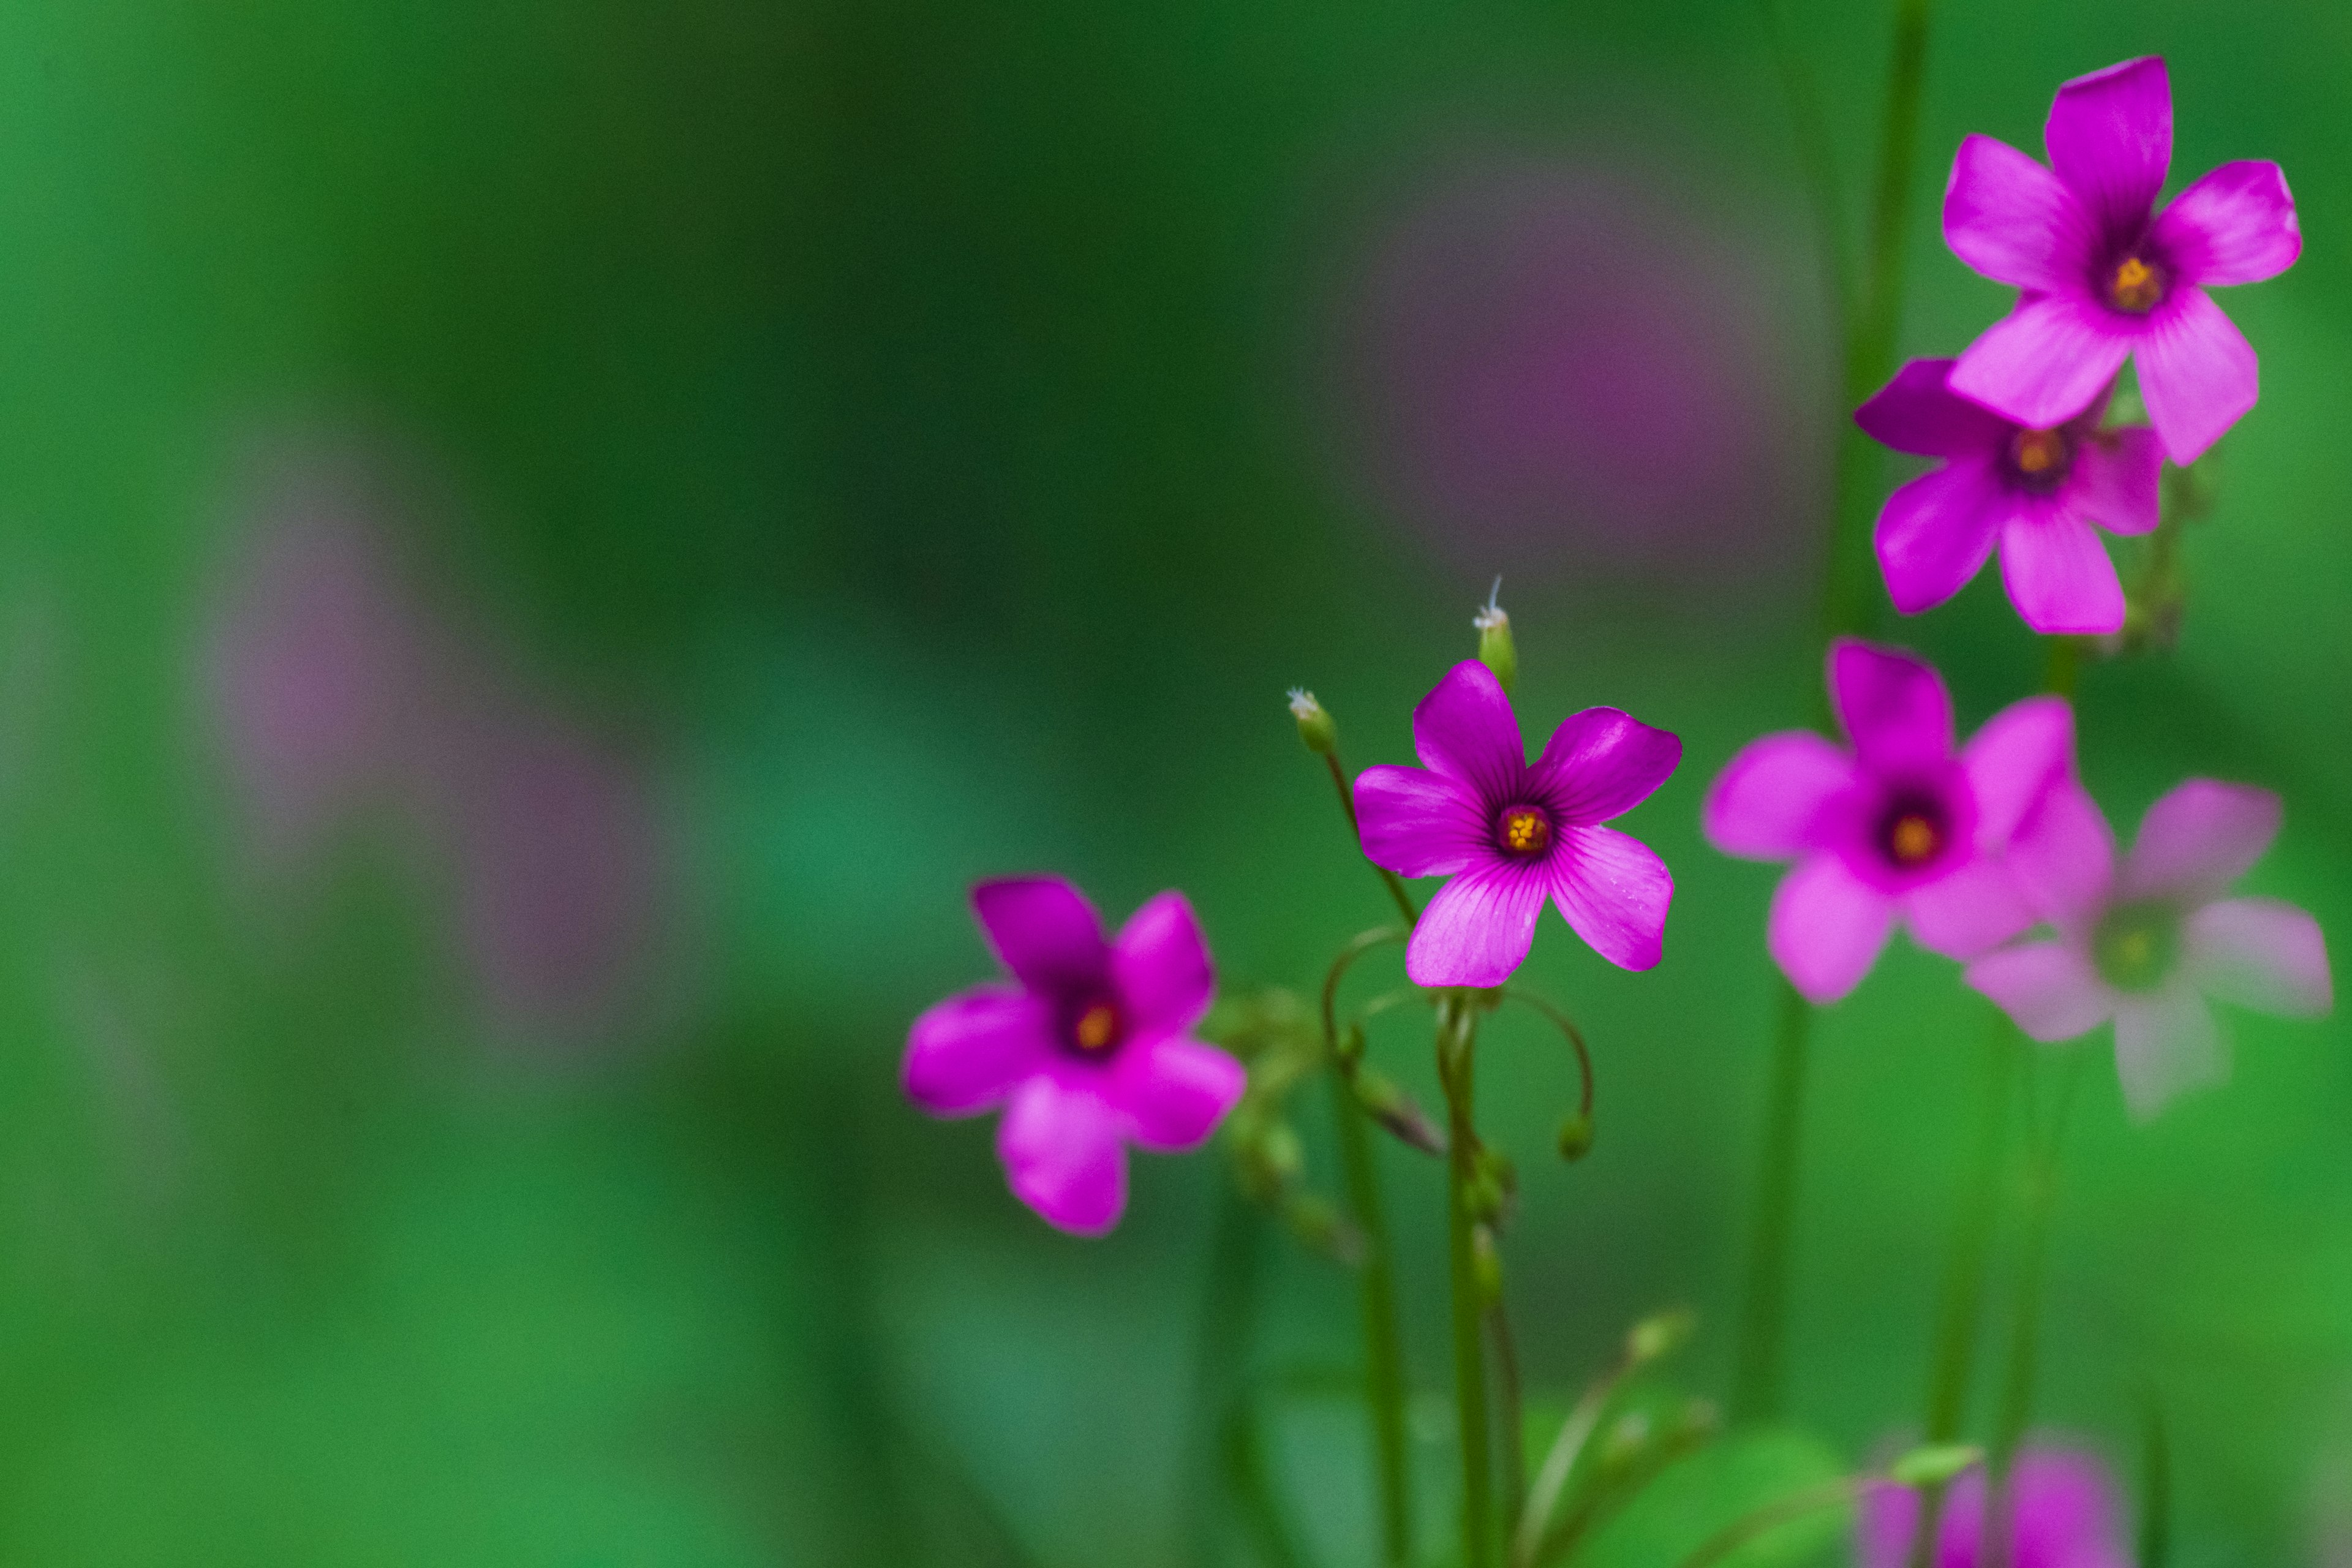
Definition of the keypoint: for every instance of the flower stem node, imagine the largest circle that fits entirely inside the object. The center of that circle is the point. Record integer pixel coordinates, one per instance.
(1496, 651)
(1316, 728)
(1575, 1136)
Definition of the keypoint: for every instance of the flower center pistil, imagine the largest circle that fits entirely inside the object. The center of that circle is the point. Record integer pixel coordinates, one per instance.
(1523, 830)
(2136, 286)
(1912, 833)
(1096, 1029)
(2042, 458)
(2136, 945)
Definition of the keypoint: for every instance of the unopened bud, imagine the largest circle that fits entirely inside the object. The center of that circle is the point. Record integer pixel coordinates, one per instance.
(1496, 651)
(1660, 1335)
(1576, 1136)
(1936, 1465)
(1315, 726)
(1395, 1111)
(1486, 1265)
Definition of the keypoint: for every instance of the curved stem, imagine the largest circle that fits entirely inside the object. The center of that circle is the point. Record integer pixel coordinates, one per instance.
(1356, 949)
(1740, 1531)
(1757, 1388)
(1567, 1026)
(1456, 1058)
(1384, 1382)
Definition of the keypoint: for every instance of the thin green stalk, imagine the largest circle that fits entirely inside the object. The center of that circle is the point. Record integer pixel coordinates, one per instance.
(1231, 1476)
(1384, 1385)
(1772, 1516)
(1509, 1418)
(1756, 1387)
(1457, 1043)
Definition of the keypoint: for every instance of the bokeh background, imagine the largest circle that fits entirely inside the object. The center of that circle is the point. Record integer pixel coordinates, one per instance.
(542, 545)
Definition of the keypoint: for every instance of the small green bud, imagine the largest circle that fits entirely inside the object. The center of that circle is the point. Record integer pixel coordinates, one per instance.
(1660, 1335)
(1496, 650)
(1315, 726)
(1576, 1136)
(1394, 1110)
(1486, 1266)
(1936, 1465)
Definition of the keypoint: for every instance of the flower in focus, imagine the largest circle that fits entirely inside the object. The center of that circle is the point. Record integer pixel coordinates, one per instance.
(2146, 941)
(2105, 276)
(1895, 824)
(2034, 492)
(1509, 834)
(1087, 1050)
(2065, 1515)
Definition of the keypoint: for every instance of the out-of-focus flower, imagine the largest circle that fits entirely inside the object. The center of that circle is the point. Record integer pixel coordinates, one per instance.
(1893, 825)
(2146, 941)
(2064, 1513)
(2105, 277)
(2034, 492)
(1089, 1051)
(1509, 834)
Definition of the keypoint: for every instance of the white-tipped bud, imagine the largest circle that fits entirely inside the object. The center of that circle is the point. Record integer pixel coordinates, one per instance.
(1496, 650)
(1315, 726)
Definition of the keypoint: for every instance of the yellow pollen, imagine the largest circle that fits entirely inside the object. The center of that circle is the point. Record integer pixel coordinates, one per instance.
(1912, 840)
(1097, 1026)
(2136, 286)
(1525, 832)
(2038, 451)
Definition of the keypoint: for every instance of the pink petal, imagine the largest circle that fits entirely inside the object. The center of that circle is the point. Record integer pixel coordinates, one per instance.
(2059, 576)
(1160, 965)
(2046, 360)
(1771, 803)
(2236, 224)
(1061, 1153)
(1465, 730)
(2021, 753)
(1613, 892)
(2110, 139)
(1176, 1090)
(1419, 823)
(2197, 373)
(968, 1053)
(2260, 953)
(1827, 928)
(2117, 480)
(1601, 763)
(1974, 907)
(2063, 857)
(2196, 840)
(1893, 707)
(2048, 989)
(2068, 1512)
(1917, 412)
(1884, 1526)
(1479, 927)
(1936, 532)
(2014, 220)
(1043, 930)
(2166, 1044)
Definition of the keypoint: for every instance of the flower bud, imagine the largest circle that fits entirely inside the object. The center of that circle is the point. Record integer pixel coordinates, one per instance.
(1575, 1136)
(1660, 1335)
(1395, 1110)
(1486, 1266)
(1934, 1465)
(1496, 650)
(1315, 726)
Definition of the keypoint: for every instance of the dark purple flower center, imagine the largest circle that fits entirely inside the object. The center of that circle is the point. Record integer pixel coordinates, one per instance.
(2135, 285)
(1096, 1027)
(2039, 460)
(1913, 831)
(1523, 830)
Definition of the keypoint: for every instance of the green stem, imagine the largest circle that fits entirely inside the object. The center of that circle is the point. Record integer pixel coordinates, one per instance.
(1230, 1465)
(1508, 1416)
(1757, 1388)
(1456, 1041)
(1383, 1343)
(1772, 1516)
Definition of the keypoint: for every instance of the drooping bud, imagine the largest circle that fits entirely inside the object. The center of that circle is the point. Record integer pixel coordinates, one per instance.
(1394, 1109)
(1575, 1136)
(1315, 726)
(1496, 650)
(1660, 1335)
(1936, 1465)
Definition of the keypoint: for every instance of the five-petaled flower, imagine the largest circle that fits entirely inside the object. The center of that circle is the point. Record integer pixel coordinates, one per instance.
(2035, 492)
(1895, 825)
(2105, 276)
(2144, 941)
(2064, 1514)
(1509, 834)
(1088, 1050)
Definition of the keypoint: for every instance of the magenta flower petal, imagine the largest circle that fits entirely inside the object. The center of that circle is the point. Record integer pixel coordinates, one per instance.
(2110, 139)
(1893, 706)
(2059, 576)
(2235, 224)
(969, 1052)
(1613, 892)
(1935, 530)
(1479, 927)
(1176, 1090)
(1917, 412)
(1769, 803)
(1160, 965)
(1884, 1525)
(1976, 906)
(2198, 375)
(2067, 1512)
(2166, 1044)
(1061, 1149)
(1601, 763)
(2014, 760)
(2048, 989)
(2198, 839)
(2063, 857)
(1827, 928)
(2046, 360)
(1465, 730)
(2260, 953)
(1043, 930)
(2015, 221)
(1417, 824)
(2118, 479)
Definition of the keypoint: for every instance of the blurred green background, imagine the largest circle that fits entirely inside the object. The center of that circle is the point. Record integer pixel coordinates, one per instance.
(543, 545)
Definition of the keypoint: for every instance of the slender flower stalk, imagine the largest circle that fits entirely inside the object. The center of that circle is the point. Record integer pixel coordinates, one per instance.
(1756, 1386)
(1456, 1056)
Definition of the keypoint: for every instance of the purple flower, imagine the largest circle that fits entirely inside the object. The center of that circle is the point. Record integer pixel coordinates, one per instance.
(1896, 825)
(1087, 1051)
(2105, 276)
(2034, 492)
(2146, 941)
(2064, 1516)
(1508, 834)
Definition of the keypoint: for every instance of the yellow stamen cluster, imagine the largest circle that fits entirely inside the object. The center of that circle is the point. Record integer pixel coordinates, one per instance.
(2135, 287)
(1526, 831)
(1097, 1026)
(1912, 840)
(2039, 451)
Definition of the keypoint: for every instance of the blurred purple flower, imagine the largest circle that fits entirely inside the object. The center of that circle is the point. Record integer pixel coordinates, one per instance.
(1089, 1051)
(1895, 824)
(2145, 941)
(2064, 1514)
(2034, 492)
(2106, 277)
(1508, 834)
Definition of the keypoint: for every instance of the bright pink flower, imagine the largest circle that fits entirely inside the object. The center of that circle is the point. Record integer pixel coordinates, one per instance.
(1509, 834)
(1896, 825)
(2105, 276)
(2034, 492)
(2064, 1515)
(1089, 1051)
(2146, 941)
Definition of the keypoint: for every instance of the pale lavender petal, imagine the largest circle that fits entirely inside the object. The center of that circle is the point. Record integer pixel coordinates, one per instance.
(1827, 928)
(1419, 823)
(1773, 801)
(1045, 930)
(2110, 139)
(1176, 1090)
(2198, 839)
(1159, 966)
(1974, 907)
(2166, 1044)
(1465, 729)
(2059, 576)
(1884, 1525)
(969, 1052)
(1601, 763)
(2117, 480)
(2048, 989)
(2068, 1513)
(2046, 360)
(2014, 220)
(2260, 953)
(1935, 530)
(1479, 927)
(2020, 754)
(2197, 373)
(1893, 707)
(1060, 1144)
(1917, 412)
(2063, 857)
(2236, 224)
(1613, 892)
